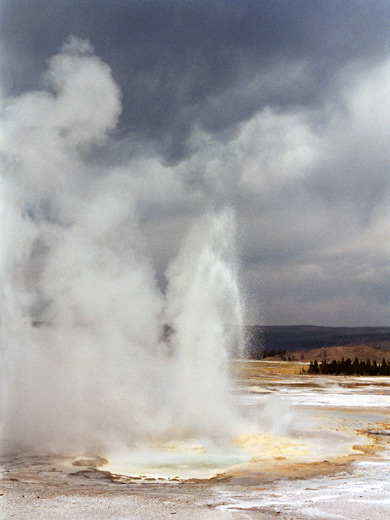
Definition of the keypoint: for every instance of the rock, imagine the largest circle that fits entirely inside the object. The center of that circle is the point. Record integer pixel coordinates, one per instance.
(92, 474)
(90, 462)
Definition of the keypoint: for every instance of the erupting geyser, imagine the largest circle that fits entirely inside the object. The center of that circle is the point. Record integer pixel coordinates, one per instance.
(86, 362)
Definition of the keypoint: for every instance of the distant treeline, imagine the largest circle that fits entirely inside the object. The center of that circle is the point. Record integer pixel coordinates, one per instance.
(349, 368)
(280, 353)
(273, 353)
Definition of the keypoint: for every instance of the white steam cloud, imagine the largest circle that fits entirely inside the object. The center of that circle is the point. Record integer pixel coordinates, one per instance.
(86, 360)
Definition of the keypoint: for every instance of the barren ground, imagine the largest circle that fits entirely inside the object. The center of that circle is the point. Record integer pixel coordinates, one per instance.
(321, 452)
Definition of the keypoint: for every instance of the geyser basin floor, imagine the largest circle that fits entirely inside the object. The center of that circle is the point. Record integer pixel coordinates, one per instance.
(321, 454)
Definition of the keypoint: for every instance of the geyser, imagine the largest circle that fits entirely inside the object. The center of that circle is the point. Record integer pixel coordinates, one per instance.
(86, 362)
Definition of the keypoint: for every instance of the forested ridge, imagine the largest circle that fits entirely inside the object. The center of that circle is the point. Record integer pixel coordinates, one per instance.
(274, 339)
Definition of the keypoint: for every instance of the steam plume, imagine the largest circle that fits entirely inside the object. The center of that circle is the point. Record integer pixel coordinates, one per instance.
(98, 369)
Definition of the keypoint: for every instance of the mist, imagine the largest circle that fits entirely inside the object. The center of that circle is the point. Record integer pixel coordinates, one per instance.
(87, 360)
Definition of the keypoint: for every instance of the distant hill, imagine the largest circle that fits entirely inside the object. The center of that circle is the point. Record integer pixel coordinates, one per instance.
(337, 353)
(294, 338)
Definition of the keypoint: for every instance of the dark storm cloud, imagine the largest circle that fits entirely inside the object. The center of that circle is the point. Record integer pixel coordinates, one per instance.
(183, 62)
(277, 108)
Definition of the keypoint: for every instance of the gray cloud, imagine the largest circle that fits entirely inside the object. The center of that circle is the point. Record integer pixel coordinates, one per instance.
(211, 63)
(279, 109)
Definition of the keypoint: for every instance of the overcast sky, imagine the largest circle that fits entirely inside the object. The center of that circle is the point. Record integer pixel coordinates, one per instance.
(278, 109)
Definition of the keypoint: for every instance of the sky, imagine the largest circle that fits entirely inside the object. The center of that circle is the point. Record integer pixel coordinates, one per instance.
(279, 110)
